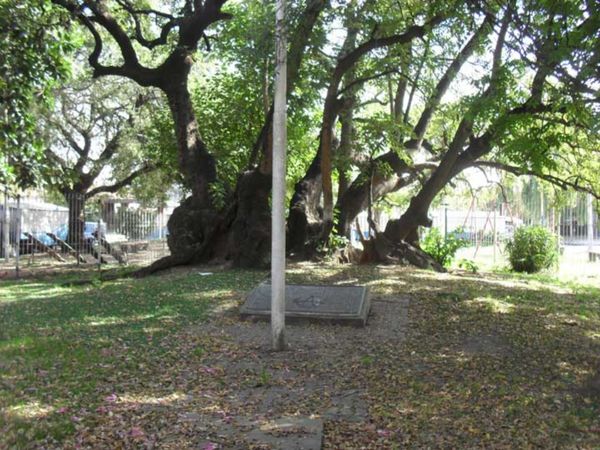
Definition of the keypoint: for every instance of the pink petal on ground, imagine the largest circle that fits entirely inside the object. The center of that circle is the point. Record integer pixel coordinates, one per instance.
(62, 410)
(136, 432)
(209, 446)
(384, 433)
(111, 398)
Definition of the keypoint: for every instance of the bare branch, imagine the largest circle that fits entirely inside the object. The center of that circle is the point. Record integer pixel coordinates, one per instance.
(139, 35)
(557, 181)
(360, 81)
(450, 75)
(146, 168)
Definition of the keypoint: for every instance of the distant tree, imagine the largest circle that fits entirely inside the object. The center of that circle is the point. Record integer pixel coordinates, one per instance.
(93, 144)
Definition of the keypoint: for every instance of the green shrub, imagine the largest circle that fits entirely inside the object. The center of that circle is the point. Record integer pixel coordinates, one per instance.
(440, 249)
(532, 249)
(468, 265)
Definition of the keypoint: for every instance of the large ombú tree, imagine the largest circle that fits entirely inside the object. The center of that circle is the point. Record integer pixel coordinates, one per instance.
(181, 32)
(536, 66)
(544, 121)
(535, 105)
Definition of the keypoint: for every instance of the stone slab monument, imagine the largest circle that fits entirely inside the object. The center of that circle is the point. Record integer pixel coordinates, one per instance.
(339, 304)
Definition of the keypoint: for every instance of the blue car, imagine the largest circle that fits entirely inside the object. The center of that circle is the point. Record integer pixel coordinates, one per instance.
(89, 230)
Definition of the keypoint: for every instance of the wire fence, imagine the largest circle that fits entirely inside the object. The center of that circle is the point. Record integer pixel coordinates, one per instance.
(486, 220)
(487, 230)
(38, 235)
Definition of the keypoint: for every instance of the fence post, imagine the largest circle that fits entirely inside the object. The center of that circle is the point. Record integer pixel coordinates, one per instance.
(558, 232)
(5, 227)
(98, 245)
(445, 221)
(18, 236)
(590, 225)
(494, 237)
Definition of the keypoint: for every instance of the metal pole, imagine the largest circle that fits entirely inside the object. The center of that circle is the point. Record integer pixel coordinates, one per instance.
(278, 211)
(445, 221)
(5, 228)
(495, 237)
(590, 224)
(18, 236)
(74, 198)
(98, 245)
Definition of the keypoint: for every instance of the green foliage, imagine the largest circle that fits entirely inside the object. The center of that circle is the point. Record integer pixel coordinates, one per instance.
(531, 249)
(33, 45)
(218, 194)
(440, 249)
(334, 243)
(469, 265)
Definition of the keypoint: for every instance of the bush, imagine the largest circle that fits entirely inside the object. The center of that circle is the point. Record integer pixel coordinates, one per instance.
(440, 249)
(532, 249)
(468, 265)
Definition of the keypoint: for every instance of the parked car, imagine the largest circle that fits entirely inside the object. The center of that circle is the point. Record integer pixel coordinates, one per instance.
(89, 235)
(89, 230)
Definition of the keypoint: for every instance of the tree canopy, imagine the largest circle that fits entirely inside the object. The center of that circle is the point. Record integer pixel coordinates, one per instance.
(34, 49)
(384, 98)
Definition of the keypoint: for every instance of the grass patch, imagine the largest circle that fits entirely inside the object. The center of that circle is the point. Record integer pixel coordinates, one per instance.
(64, 348)
(488, 361)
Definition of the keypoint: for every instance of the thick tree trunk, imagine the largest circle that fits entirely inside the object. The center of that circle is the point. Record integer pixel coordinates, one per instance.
(250, 241)
(305, 222)
(356, 197)
(192, 221)
(76, 223)
(345, 149)
(196, 164)
(381, 250)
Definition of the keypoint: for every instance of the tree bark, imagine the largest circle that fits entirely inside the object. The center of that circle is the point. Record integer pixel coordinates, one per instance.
(196, 163)
(356, 197)
(76, 223)
(305, 216)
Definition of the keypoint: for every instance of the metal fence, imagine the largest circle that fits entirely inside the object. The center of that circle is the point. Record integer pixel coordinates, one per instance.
(38, 234)
(487, 219)
(488, 229)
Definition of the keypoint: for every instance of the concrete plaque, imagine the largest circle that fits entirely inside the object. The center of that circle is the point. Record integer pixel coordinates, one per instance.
(349, 304)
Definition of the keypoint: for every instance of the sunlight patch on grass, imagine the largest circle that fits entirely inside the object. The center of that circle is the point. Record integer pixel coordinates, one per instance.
(29, 291)
(496, 305)
(95, 321)
(152, 330)
(567, 369)
(30, 410)
(22, 343)
(150, 399)
(593, 335)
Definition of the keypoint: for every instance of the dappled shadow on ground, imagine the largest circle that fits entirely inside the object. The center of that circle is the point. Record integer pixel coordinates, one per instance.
(460, 361)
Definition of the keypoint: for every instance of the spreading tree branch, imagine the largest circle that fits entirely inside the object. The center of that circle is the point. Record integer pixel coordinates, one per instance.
(146, 168)
(555, 180)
